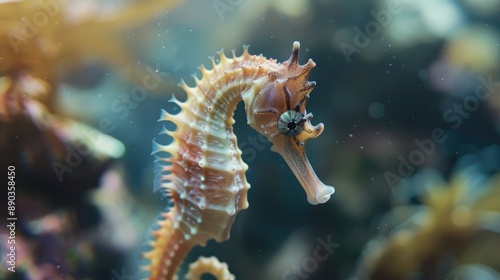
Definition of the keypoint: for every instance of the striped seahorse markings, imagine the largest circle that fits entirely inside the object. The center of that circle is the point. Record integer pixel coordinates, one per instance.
(202, 170)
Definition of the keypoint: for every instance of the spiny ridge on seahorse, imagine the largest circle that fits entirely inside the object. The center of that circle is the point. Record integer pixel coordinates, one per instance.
(202, 169)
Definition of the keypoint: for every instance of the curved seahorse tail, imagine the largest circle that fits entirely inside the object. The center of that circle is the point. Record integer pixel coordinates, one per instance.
(210, 265)
(169, 248)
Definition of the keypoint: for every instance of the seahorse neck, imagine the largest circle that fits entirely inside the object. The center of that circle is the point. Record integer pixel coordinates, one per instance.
(220, 89)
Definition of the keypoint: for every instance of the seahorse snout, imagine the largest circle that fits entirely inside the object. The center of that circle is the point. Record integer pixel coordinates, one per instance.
(292, 149)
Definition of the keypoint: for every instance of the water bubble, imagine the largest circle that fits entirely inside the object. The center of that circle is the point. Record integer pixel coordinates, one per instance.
(376, 110)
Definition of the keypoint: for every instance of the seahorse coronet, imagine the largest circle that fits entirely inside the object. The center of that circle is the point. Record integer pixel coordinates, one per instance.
(202, 171)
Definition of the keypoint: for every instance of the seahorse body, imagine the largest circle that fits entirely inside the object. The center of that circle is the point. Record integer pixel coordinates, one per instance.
(204, 174)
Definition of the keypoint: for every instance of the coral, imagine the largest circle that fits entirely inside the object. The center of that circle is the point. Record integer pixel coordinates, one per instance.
(451, 222)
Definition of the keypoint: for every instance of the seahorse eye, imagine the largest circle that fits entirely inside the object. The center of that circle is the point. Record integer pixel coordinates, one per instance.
(291, 123)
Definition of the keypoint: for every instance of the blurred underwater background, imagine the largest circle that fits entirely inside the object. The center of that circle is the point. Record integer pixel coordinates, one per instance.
(408, 91)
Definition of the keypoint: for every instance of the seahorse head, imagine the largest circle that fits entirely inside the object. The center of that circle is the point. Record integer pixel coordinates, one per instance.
(276, 107)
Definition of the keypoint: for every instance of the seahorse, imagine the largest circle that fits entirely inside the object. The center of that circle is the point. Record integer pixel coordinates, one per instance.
(202, 171)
